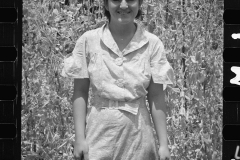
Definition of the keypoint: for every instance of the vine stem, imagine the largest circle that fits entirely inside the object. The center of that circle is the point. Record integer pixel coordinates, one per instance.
(66, 141)
(206, 27)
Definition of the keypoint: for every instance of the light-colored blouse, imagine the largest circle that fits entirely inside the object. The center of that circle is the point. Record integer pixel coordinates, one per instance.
(121, 77)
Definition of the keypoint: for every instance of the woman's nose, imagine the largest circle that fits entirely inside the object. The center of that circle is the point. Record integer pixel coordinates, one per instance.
(123, 4)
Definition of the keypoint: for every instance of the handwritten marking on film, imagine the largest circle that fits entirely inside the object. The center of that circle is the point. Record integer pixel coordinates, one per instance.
(235, 80)
(236, 154)
(236, 35)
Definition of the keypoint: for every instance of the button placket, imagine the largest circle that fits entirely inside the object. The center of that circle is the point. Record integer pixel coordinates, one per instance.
(113, 104)
(119, 61)
(120, 83)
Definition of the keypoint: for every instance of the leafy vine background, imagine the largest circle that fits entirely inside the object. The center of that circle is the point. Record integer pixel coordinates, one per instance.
(192, 33)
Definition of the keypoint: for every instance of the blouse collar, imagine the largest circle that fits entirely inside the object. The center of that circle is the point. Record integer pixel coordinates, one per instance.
(139, 39)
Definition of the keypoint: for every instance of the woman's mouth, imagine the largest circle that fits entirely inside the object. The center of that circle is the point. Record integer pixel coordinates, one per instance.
(123, 13)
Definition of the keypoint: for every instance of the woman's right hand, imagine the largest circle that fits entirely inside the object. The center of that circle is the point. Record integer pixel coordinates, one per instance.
(81, 149)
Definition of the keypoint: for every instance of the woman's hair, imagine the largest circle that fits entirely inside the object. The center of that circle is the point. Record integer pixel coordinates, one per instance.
(107, 14)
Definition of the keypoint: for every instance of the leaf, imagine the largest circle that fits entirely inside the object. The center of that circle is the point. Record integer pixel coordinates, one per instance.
(182, 94)
(206, 138)
(26, 142)
(183, 123)
(198, 57)
(200, 94)
(150, 8)
(57, 19)
(51, 19)
(151, 26)
(187, 97)
(214, 155)
(167, 51)
(202, 77)
(55, 11)
(25, 12)
(212, 81)
(192, 79)
(177, 90)
(53, 29)
(188, 80)
(193, 59)
(182, 111)
(180, 82)
(187, 115)
(178, 56)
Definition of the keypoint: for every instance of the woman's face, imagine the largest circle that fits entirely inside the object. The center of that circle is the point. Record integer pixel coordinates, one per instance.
(123, 11)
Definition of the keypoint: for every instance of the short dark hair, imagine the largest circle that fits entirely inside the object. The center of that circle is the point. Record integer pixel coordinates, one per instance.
(107, 14)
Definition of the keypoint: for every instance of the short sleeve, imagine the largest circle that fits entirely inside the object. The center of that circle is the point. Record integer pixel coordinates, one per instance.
(75, 64)
(161, 70)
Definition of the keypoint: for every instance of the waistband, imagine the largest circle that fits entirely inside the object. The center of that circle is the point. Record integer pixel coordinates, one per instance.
(129, 106)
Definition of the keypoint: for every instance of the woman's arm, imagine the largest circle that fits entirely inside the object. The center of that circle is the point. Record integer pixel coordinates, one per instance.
(80, 99)
(156, 100)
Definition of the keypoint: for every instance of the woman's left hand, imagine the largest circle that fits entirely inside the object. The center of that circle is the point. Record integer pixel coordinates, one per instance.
(164, 153)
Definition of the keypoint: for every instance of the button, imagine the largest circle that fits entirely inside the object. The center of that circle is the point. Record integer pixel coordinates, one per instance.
(120, 83)
(113, 104)
(119, 61)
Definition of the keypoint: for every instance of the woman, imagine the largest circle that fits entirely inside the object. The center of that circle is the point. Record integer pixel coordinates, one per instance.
(123, 63)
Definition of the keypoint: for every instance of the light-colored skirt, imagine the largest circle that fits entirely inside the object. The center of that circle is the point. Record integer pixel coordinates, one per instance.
(114, 134)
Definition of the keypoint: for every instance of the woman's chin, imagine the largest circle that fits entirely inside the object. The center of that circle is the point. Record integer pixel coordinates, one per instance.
(124, 21)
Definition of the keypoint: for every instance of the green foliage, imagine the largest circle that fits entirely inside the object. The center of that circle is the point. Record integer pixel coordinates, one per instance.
(193, 38)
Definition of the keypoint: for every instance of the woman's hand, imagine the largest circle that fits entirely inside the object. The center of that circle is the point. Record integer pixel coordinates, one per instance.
(81, 149)
(164, 153)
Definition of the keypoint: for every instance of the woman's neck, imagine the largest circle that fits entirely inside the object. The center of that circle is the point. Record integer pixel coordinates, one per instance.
(122, 30)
